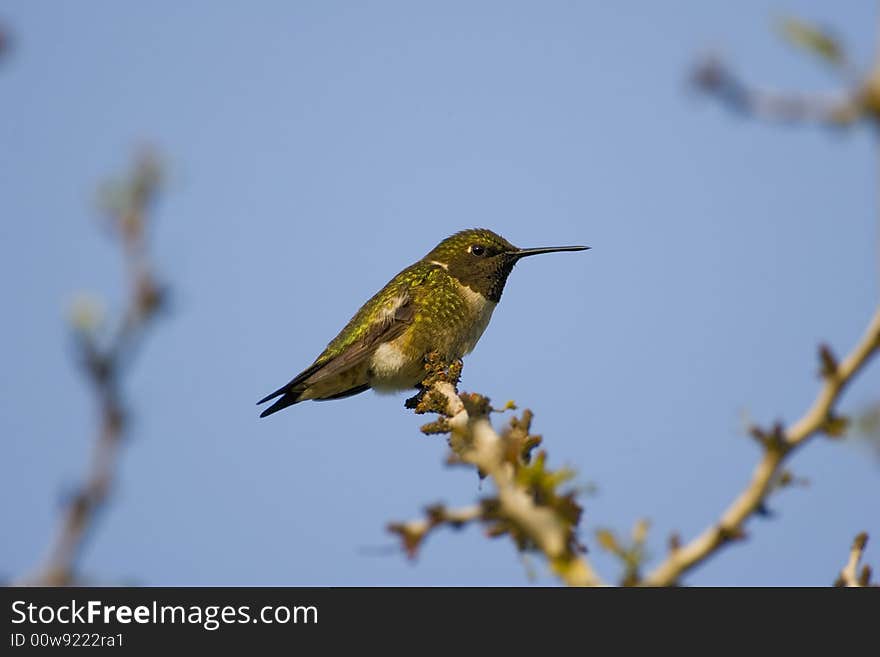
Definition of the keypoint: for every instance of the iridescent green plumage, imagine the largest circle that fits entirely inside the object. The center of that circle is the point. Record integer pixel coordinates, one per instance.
(442, 304)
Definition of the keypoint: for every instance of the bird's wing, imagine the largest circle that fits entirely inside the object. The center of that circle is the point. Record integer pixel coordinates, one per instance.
(389, 324)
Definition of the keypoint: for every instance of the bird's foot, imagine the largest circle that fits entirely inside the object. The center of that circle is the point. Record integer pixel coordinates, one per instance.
(438, 368)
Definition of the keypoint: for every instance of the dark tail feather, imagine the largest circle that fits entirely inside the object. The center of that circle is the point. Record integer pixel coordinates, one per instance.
(289, 390)
(287, 399)
(280, 391)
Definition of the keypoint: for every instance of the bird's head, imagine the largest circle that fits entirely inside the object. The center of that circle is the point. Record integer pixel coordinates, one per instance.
(482, 260)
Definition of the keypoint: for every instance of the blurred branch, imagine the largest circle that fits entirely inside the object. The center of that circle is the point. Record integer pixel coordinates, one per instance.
(527, 505)
(866, 427)
(850, 575)
(778, 444)
(631, 553)
(712, 76)
(413, 532)
(816, 40)
(859, 99)
(5, 42)
(127, 204)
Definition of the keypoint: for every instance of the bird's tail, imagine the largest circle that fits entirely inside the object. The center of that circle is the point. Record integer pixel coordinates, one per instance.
(288, 398)
(290, 392)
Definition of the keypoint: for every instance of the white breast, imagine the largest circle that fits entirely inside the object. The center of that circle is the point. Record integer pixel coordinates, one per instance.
(390, 368)
(388, 360)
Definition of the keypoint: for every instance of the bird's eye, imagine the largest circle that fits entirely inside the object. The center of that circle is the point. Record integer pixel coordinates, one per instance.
(477, 250)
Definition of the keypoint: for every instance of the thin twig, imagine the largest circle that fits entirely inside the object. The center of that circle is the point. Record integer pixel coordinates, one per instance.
(778, 446)
(413, 532)
(849, 575)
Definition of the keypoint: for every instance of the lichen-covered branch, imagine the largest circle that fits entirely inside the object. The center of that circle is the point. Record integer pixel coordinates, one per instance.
(777, 444)
(850, 575)
(102, 359)
(527, 506)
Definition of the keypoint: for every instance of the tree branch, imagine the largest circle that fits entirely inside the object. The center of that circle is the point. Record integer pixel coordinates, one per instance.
(413, 532)
(712, 76)
(527, 505)
(850, 575)
(778, 445)
(127, 204)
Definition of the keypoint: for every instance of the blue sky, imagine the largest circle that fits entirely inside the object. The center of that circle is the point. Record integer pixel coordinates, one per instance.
(314, 150)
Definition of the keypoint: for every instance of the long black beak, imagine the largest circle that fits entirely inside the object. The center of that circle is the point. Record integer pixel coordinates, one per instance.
(522, 253)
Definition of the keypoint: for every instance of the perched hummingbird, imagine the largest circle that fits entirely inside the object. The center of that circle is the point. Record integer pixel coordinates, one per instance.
(441, 303)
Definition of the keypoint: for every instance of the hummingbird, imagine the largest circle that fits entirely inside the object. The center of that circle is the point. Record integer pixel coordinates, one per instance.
(442, 304)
